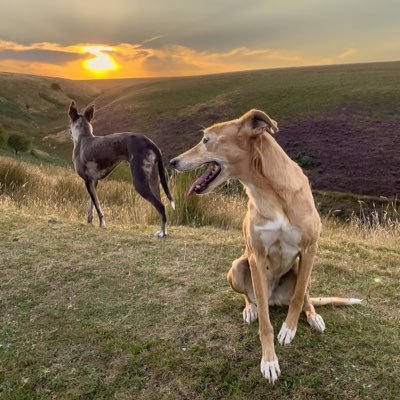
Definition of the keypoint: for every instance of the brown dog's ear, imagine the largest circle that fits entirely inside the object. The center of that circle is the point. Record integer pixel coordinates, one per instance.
(89, 112)
(73, 112)
(258, 122)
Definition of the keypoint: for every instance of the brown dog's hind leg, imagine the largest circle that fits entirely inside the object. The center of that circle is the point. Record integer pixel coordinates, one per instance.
(239, 277)
(289, 327)
(314, 319)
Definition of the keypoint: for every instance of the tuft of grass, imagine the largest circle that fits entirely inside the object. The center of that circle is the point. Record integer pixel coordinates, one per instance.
(383, 217)
(213, 209)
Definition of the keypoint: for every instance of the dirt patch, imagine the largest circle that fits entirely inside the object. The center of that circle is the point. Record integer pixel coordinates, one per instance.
(59, 137)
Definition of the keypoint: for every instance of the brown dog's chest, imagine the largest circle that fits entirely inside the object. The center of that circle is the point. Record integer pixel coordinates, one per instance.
(279, 241)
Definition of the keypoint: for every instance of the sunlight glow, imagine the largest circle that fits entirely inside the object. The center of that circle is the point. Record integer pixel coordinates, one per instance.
(102, 62)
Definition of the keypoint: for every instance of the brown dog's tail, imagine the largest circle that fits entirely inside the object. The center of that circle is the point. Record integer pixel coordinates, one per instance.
(336, 301)
(163, 179)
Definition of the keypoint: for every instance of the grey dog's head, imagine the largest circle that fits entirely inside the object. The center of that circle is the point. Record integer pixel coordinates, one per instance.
(80, 123)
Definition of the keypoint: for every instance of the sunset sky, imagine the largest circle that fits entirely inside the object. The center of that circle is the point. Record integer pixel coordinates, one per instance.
(129, 38)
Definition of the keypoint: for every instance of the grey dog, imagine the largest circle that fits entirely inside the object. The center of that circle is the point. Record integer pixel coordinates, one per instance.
(95, 157)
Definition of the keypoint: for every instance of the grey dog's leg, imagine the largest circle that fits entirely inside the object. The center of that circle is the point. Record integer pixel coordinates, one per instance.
(154, 182)
(91, 188)
(141, 183)
(90, 207)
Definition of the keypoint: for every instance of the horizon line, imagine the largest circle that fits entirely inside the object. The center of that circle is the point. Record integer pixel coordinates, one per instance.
(200, 75)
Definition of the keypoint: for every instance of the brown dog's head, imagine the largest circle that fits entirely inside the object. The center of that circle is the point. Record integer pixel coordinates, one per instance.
(226, 147)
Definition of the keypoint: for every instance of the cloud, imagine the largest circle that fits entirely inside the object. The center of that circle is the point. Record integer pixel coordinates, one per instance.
(346, 53)
(39, 55)
(177, 59)
(152, 39)
(144, 60)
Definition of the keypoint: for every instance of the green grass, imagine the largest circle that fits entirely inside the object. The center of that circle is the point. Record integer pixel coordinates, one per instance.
(33, 156)
(117, 314)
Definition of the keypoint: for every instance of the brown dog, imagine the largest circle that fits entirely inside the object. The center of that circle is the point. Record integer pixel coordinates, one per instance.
(281, 228)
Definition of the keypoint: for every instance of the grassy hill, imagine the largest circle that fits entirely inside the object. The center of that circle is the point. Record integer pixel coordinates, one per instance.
(341, 123)
(36, 107)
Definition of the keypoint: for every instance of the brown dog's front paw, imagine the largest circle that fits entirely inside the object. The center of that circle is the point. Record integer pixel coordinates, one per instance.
(270, 370)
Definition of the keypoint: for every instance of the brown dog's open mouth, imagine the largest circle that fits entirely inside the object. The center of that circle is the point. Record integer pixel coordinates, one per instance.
(201, 184)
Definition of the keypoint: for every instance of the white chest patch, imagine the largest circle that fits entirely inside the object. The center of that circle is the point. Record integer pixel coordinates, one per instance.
(94, 171)
(281, 242)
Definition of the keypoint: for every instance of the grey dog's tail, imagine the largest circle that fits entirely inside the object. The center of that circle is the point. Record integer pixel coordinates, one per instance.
(163, 179)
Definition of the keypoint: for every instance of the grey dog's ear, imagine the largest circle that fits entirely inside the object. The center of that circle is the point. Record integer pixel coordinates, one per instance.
(89, 112)
(258, 122)
(73, 112)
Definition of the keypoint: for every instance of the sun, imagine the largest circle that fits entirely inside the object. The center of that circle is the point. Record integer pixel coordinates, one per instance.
(102, 62)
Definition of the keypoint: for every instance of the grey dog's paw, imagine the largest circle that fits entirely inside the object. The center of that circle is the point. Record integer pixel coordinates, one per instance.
(160, 234)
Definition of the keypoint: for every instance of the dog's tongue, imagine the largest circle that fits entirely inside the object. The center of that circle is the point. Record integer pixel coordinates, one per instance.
(203, 180)
(197, 184)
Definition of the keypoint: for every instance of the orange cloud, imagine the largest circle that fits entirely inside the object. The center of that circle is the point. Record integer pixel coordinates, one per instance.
(124, 60)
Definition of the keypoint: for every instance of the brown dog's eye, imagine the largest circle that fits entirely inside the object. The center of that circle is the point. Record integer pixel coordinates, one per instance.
(205, 140)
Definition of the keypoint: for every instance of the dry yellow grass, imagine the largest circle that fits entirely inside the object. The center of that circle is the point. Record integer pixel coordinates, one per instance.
(60, 191)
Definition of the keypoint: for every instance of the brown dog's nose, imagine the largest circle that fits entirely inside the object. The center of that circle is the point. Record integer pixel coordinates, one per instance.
(173, 162)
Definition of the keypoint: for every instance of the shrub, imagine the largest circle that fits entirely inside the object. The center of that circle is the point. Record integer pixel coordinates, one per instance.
(18, 143)
(17, 176)
(305, 161)
(55, 86)
(3, 139)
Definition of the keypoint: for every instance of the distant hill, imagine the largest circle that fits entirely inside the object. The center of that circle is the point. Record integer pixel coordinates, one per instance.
(341, 123)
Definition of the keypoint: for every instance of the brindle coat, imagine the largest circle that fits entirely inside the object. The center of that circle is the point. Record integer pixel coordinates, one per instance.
(95, 157)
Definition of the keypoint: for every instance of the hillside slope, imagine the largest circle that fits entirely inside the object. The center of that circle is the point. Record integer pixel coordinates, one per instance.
(36, 107)
(341, 123)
